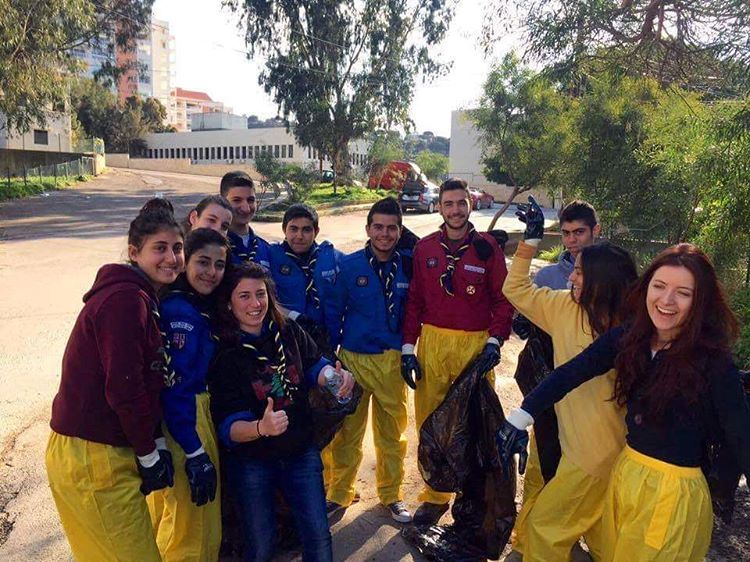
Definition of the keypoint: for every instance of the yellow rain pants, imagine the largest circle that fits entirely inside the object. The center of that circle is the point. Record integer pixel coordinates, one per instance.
(184, 531)
(569, 506)
(442, 354)
(533, 482)
(380, 378)
(96, 491)
(656, 512)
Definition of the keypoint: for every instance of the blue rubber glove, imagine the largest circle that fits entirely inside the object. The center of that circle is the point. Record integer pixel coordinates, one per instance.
(158, 476)
(531, 214)
(512, 441)
(201, 474)
(410, 369)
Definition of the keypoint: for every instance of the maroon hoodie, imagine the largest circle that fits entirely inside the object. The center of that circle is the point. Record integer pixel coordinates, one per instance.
(112, 367)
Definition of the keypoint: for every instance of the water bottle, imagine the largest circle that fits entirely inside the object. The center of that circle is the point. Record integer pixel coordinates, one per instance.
(333, 382)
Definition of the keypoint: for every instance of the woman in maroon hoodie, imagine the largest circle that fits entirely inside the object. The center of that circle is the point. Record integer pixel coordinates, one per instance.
(102, 456)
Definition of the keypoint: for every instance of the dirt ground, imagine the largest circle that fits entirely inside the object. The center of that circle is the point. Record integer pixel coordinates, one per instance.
(50, 249)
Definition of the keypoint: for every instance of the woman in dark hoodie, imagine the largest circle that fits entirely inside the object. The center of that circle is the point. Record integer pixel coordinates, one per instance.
(102, 456)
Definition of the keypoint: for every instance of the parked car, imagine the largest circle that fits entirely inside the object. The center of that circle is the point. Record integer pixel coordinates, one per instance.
(421, 196)
(394, 175)
(480, 199)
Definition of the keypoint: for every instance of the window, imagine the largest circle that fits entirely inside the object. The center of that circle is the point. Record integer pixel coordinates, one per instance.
(212, 153)
(283, 151)
(257, 151)
(200, 153)
(41, 137)
(291, 151)
(184, 153)
(225, 152)
(231, 152)
(237, 152)
(276, 151)
(244, 152)
(171, 153)
(150, 153)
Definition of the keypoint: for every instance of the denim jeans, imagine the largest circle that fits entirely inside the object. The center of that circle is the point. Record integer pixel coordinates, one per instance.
(300, 479)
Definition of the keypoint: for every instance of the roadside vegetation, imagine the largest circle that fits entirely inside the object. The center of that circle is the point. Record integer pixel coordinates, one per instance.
(16, 187)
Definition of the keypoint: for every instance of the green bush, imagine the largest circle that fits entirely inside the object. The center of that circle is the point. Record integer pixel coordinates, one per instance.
(553, 254)
(741, 306)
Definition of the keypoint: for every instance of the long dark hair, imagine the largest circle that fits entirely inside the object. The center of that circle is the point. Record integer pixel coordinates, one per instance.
(157, 214)
(608, 275)
(709, 329)
(228, 327)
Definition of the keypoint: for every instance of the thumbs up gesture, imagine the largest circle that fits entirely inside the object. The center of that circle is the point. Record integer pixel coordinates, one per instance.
(273, 423)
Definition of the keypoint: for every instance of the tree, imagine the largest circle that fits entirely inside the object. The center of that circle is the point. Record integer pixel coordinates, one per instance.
(700, 43)
(432, 164)
(385, 146)
(524, 130)
(36, 41)
(339, 69)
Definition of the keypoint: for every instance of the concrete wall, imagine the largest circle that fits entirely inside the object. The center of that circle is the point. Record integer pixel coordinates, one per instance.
(177, 165)
(14, 162)
(57, 129)
(464, 162)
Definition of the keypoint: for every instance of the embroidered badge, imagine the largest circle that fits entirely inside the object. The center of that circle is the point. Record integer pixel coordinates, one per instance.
(285, 269)
(432, 262)
(178, 340)
(470, 289)
(474, 268)
(362, 281)
(402, 285)
(181, 326)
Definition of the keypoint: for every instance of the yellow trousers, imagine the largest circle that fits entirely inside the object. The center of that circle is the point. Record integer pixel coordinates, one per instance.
(569, 506)
(380, 378)
(184, 531)
(96, 491)
(442, 354)
(656, 512)
(533, 483)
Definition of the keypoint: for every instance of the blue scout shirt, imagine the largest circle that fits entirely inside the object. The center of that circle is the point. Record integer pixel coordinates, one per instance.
(256, 250)
(291, 282)
(191, 349)
(358, 306)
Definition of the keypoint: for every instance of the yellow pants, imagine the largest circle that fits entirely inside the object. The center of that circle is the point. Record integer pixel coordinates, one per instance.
(533, 483)
(380, 378)
(442, 354)
(184, 531)
(569, 506)
(96, 491)
(656, 512)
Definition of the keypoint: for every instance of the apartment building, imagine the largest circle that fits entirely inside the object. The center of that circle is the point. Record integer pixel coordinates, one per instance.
(53, 136)
(189, 102)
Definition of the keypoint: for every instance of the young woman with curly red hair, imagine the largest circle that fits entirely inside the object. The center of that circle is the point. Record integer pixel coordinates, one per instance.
(682, 390)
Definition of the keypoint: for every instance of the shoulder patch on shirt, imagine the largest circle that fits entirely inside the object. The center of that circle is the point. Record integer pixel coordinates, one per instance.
(402, 285)
(432, 262)
(285, 269)
(179, 325)
(474, 268)
(362, 281)
(328, 273)
(178, 340)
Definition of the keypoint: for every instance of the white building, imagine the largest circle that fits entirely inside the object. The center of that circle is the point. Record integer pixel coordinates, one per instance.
(54, 136)
(241, 145)
(464, 161)
(190, 102)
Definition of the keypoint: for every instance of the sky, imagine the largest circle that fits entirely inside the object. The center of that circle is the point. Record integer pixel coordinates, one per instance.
(210, 57)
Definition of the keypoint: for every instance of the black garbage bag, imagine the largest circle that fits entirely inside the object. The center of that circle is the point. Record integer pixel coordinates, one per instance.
(328, 414)
(535, 363)
(457, 453)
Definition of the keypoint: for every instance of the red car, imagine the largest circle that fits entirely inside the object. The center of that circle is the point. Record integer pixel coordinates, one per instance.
(481, 199)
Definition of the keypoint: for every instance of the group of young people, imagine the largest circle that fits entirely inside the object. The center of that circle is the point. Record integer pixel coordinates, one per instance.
(191, 367)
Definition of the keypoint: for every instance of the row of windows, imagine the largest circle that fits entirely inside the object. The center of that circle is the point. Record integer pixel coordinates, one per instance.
(222, 152)
(354, 159)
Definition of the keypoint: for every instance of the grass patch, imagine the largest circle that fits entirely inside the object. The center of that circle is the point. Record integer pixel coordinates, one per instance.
(16, 188)
(348, 194)
(553, 254)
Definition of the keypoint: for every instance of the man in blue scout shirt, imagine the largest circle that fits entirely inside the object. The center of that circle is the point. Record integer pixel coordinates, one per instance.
(304, 272)
(367, 308)
(239, 190)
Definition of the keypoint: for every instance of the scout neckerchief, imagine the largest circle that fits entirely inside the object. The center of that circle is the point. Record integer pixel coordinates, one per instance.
(280, 383)
(453, 256)
(238, 247)
(170, 377)
(386, 272)
(203, 304)
(307, 265)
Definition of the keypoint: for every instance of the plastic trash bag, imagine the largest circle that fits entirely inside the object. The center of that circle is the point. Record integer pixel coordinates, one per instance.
(535, 363)
(457, 453)
(328, 414)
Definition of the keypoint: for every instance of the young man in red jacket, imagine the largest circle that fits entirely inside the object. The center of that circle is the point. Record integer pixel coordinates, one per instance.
(456, 309)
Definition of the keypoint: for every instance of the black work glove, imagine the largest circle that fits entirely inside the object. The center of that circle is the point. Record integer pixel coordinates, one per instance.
(531, 214)
(201, 475)
(522, 326)
(512, 441)
(410, 369)
(159, 476)
(491, 354)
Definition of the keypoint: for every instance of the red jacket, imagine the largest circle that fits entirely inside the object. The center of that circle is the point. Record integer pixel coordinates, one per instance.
(478, 303)
(112, 368)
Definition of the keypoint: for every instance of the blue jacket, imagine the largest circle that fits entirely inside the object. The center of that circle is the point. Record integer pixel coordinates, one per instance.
(240, 251)
(358, 307)
(556, 276)
(290, 281)
(191, 350)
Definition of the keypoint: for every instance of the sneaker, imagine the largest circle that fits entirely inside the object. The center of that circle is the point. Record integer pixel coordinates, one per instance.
(333, 508)
(429, 513)
(399, 512)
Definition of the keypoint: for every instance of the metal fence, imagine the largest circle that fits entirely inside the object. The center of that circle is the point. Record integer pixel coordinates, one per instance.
(84, 166)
